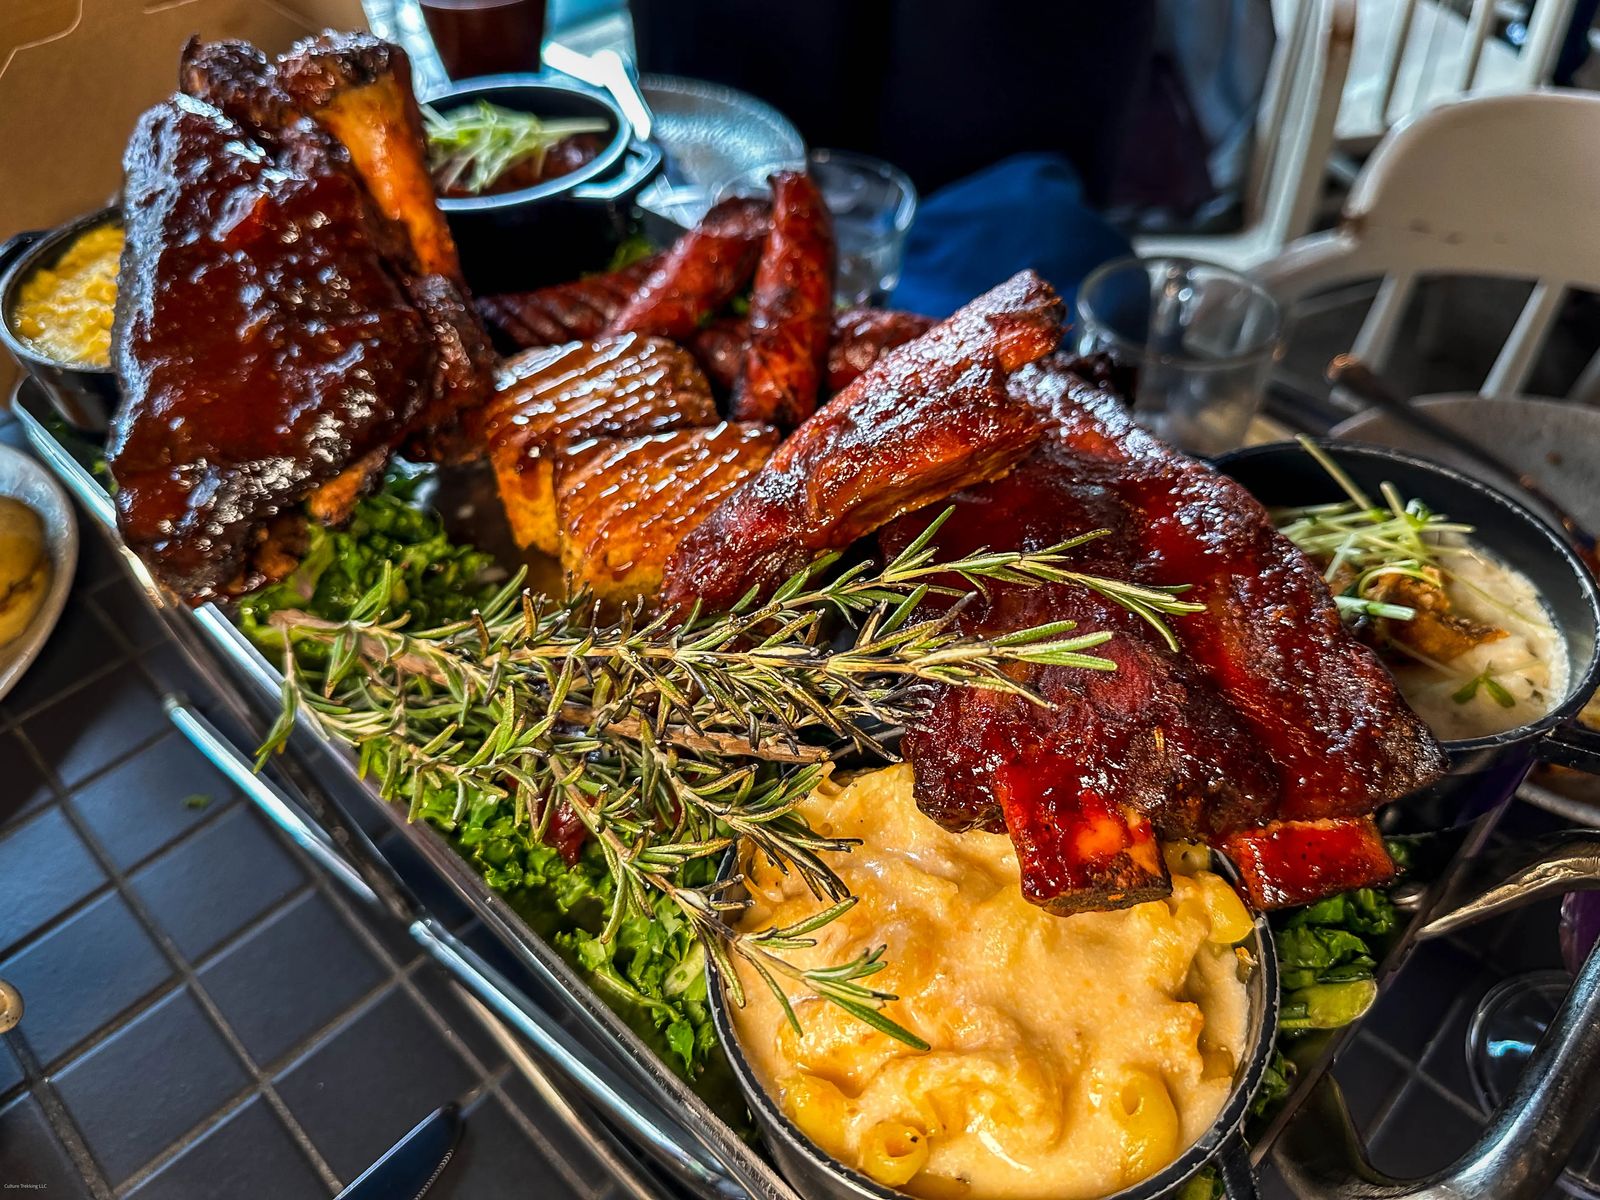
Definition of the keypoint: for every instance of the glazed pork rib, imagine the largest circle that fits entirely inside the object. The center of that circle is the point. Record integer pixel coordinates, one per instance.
(358, 87)
(1084, 785)
(276, 336)
(1273, 733)
(563, 312)
(1314, 696)
(923, 422)
(861, 336)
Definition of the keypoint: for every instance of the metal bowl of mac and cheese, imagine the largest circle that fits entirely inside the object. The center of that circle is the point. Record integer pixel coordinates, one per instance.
(819, 1176)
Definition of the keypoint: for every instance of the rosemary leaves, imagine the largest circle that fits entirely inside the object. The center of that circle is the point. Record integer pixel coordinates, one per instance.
(670, 740)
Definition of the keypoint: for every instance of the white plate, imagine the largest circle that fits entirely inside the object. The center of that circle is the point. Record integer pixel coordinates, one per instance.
(24, 479)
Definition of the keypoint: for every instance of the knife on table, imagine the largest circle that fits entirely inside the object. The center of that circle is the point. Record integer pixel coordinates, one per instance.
(411, 1166)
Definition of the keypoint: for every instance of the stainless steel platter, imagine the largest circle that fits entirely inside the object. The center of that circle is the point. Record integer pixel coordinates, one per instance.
(671, 1142)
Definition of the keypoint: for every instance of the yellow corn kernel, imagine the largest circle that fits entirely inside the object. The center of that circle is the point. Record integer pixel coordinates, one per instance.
(1230, 919)
(1186, 858)
(817, 1107)
(1151, 1135)
(892, 1152)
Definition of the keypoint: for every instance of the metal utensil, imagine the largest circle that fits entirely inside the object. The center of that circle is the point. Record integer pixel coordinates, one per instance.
(413, 1164)
(607, 70)
(1532, 1134)
(1348, 371)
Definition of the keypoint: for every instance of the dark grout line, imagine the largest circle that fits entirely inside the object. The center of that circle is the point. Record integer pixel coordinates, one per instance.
(75, 909)
(61, 1121)
(116, 1025)
(1415, 1074)
(213, 813)
(187, 975)
(176, 1147)
(78, 684)
(53, 778)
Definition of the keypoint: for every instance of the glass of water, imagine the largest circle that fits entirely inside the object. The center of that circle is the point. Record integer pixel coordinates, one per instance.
(873, 204)
(1195, 342)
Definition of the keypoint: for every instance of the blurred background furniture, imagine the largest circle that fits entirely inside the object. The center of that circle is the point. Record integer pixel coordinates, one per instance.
(1481, 187)
(1411, 55)
(1293, 137)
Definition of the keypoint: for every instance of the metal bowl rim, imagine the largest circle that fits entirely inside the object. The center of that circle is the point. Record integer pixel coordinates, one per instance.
(614, 153)
(1578, 690)
(775, 1124)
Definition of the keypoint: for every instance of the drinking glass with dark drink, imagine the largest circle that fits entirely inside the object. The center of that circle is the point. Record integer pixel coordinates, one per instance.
(485, 37)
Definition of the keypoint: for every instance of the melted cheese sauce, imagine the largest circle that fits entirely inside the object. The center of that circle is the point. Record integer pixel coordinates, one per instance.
(1529, 666)
(1069, 1056)
(64, 311)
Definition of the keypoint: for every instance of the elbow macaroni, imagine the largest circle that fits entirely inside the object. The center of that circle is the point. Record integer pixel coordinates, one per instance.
(892, 1152)
(1069, 1056)
(1151, 1133)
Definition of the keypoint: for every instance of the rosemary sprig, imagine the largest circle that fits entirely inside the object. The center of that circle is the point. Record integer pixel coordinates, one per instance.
(472, 146)
(672, 739)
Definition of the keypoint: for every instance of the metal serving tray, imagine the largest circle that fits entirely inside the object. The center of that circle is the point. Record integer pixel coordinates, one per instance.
(323, 804)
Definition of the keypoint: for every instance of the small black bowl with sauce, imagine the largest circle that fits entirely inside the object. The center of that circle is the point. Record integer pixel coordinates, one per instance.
(1485, 770)
(563, 226)
(84, 394)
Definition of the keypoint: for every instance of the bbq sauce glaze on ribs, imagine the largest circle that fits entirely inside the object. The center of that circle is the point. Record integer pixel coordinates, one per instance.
(278, 333)
(924, 421)
(791, 309)
(1085, 783)
(1271, 732)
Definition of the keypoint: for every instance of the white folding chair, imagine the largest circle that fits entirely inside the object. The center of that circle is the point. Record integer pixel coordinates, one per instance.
(1411, 55)
(1504, 186)
(1294, 137)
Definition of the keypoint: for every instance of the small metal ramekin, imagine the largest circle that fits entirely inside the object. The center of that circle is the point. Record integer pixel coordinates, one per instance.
(84, 396)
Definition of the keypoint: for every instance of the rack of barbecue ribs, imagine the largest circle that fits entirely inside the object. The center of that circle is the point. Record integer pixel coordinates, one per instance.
(1269, 732)
(924, 421)
(1262, 727)
(290, 310)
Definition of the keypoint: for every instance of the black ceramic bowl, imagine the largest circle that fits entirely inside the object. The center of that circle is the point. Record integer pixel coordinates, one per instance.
(1485, 770)
(565, 227)
(84, 396)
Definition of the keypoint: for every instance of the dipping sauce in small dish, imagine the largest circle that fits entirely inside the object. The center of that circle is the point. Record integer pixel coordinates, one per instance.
(1069, 1056)
(483, 149)
(1472, 644)
(63, 311)
(1491, 660)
